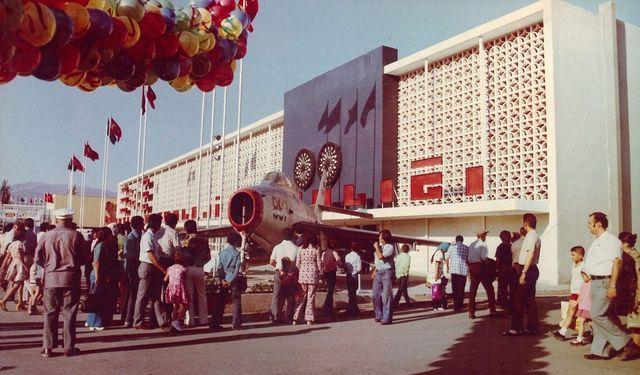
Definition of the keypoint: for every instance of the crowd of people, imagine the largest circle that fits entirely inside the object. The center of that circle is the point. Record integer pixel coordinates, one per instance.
(130, 266)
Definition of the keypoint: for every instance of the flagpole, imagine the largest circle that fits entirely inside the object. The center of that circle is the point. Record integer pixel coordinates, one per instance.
(213, 113)
(104, 192)
(144, 149)
(223, 140)
(200, 158)
(82, 189)
(142, 114)
(238, 126)
(70, 195)
(104, 169)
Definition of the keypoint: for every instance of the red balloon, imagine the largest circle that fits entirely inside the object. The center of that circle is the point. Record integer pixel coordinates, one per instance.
(218, 13)
(89, 58)
(167, 45)
(118, 35)
(144, 51)
(60, 3)
(206, 84)
(121, 67)
(186, 66)
(69, 56)
(250, 7)
(241, 50)
(166, 68)
(6, 74)
(26, 59)
(152, 25)
(228, 5)
(223, 74)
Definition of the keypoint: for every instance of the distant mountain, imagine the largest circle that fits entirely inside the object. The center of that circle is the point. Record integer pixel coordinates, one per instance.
(37, 190)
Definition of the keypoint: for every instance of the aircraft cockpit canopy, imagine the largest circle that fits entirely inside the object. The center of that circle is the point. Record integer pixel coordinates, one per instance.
(278, 179)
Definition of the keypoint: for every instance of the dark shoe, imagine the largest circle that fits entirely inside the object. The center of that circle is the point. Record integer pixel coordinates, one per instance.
(141, 326)
(594, 357)
(385, 323)
(215, 327)
(377, 320)
(558, 335)
(72, 352)
(494, 315)
(165, 325)
(629, 352)
(531, 333)
(238, 328)
(472, 316)
(46, 353)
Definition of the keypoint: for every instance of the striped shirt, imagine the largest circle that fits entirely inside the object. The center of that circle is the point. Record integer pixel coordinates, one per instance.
(458, 256)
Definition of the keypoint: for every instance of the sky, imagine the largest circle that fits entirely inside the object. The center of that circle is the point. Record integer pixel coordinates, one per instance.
(43, 123)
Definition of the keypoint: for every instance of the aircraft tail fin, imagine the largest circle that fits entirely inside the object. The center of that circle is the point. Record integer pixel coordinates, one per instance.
(320, 196)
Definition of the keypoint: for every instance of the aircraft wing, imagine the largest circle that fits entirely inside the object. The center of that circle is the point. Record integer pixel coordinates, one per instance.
(220, 231)
(362, 234)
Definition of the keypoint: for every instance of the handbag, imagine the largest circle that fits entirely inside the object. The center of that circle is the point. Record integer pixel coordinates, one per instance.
(241, 283)
(436, 291)
(633, 319)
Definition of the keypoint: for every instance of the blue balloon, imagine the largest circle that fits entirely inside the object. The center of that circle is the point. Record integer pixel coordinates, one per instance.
(241, 16)
(204, 3)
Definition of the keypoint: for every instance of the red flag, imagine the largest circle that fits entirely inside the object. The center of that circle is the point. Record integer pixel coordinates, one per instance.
(151, 96)
(48, 198)
(114, 131)
(143, 102)
(75, 164)
(90, 153)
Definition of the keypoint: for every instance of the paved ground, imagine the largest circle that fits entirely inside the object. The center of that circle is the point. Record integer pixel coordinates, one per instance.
(420, 341)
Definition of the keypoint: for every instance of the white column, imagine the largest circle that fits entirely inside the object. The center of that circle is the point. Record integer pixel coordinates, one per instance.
(223, 141)
(484, 120)
(200, 159)
(237, 174)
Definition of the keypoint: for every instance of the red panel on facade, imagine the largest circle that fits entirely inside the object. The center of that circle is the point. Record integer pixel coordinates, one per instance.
(194, 213)
(474, 181)
(184, 214)
(419, 182)
(386, 191)
(327, 197)
(314, 196)
(217, 209)
(362, 199)
(436, 160)
(348, 192)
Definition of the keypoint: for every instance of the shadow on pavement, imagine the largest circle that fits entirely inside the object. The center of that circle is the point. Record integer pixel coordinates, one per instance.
(473, 354)
(207, 340)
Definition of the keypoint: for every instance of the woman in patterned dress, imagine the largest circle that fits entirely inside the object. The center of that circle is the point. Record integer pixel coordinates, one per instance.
(176, 292)
(309, 266)
(17, 271)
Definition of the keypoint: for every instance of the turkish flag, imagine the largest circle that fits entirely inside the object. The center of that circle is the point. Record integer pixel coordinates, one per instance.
(114, 131)
(90, 153)
(151, 96)
(75, 164)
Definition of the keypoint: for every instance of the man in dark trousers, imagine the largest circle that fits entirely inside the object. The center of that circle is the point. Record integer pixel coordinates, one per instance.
(131, 265)
(61, 252)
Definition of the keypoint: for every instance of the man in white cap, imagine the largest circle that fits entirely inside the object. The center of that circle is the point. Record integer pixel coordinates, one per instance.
(478, 254)
(61, 252)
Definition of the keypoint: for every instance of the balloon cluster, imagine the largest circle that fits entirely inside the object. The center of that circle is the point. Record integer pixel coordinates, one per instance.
(128, 43)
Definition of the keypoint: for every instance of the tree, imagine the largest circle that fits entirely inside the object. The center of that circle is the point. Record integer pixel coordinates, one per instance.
(5, 192)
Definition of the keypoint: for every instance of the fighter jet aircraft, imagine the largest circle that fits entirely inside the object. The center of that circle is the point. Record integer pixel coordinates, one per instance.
(261, 212)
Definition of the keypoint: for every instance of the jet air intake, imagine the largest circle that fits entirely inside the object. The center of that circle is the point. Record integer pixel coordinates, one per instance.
(245, 210)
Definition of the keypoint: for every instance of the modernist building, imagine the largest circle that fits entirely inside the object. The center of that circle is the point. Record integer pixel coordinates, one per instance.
(537, 111)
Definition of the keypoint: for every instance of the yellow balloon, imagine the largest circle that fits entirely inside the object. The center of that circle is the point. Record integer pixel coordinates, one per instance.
(79, 16)
(38, 25)
(73, 79)
(186, 88)
(133, 31)
(152, 77)
(107, 6)
(206, 18)
(180, 82)
(131, 8)
(207, 40)
(189, 43)
(233, 65)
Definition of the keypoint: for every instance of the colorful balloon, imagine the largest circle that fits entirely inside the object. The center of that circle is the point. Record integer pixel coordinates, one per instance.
(230, 28)
(6, 74)
(218, 14)
(69, 56)
(7, 47)
(26, 58)
(101, 25)
(241, 16)
(79, 16)
(167, 45)
(180, 82)
(130, 8)
(91, 81)
(152, 25)
(201, 65)
(144, 51)
(38, 24)
(118, 34)
(13, 14)
(89, 58)
(121, 67)
(223, 74)
(228, 5)
(166, 68)
(49, 67)
(189, 43)
(133, 31)
(169, 18)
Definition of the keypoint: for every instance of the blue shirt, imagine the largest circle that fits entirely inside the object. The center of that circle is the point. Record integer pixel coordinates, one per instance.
(458, 256)
(229, 264)
(386, 263)
(132, 247)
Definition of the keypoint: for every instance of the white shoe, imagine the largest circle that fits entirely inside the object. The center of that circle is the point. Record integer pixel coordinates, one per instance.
(176, 325)
(86, 324)
(96, 328)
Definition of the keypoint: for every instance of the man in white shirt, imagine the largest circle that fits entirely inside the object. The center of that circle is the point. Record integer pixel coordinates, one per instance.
(525, 297)
(602, 264)
(478, 254)
(353, 266)
(168, 240)
(151, 274)
(284, 249)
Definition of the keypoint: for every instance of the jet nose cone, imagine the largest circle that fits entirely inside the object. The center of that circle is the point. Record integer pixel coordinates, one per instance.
(245, 210)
